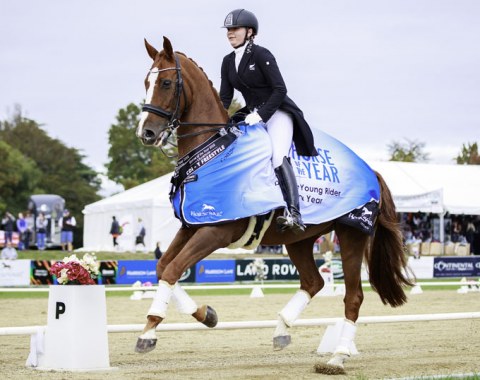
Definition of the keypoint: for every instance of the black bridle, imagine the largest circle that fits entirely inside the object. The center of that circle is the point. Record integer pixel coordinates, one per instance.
(174, 117)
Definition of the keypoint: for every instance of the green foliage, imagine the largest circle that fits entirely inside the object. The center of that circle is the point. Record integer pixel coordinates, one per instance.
(19, 177)
(234, 107)
(469, 155)
(410, 151)
(45, 166)
(130, 162)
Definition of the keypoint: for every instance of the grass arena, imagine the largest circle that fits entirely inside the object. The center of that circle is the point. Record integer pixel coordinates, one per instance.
(387, 350)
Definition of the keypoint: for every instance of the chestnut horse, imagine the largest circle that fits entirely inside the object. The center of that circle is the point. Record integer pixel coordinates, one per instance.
(181, 98)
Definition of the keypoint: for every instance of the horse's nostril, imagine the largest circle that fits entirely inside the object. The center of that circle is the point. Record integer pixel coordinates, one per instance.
(148, 134)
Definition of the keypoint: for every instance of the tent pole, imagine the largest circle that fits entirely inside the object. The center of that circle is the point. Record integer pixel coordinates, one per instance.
(442, 232)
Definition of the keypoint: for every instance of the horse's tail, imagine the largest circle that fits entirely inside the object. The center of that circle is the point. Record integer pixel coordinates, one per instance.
(387, 262)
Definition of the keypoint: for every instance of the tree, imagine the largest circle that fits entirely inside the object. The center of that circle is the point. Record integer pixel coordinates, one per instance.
(61, 168)
(234, 106)
(469, 155)
(410, 151)
(19, 177)
(130, 162)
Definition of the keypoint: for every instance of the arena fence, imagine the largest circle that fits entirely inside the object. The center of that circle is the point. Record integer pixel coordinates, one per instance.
(238, 325)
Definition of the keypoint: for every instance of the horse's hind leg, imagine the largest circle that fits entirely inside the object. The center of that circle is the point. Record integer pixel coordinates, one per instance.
(353, 245)
(301, 254)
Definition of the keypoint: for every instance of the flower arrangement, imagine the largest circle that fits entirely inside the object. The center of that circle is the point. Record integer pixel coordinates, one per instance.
(74, 271)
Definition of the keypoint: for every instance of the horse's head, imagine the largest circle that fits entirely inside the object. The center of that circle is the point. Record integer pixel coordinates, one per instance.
(165, 98)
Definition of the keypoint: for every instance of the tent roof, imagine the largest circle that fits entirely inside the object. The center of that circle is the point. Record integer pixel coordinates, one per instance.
(460, 184)
(151, 193)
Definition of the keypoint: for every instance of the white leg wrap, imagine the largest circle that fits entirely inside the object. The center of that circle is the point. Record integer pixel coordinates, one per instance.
(281, 329)
(294, 307)
(185, 304)
(162, 298)
(346, 338)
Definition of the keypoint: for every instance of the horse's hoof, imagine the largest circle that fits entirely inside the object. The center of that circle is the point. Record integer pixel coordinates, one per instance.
(281, 341)
(211, 318)
(145, 345)
(329, 369)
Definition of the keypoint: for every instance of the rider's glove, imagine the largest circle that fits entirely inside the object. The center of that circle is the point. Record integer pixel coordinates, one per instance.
(253, 118)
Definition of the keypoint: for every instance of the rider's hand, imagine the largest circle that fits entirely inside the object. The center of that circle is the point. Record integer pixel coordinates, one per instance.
(253, 118)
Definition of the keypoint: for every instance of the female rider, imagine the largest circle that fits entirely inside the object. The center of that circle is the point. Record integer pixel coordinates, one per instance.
(253, 70)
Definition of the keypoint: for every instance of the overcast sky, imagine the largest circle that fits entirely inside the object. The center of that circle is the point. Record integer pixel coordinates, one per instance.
(368, 72)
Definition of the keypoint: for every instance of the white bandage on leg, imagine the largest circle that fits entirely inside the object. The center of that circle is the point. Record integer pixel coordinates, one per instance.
(185, 304)
(162, 298)
(294, 307)
(346, 338)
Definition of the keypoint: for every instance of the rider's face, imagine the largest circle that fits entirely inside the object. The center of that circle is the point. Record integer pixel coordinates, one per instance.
(236, 36)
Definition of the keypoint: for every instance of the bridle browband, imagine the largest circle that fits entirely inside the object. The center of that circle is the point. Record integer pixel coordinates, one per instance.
(174, 117)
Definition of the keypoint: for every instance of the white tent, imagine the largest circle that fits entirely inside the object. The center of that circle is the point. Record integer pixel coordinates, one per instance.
(415, 187)
(432, 188)
(148, 201)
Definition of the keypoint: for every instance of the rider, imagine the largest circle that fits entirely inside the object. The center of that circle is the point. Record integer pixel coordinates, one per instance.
(253, 70)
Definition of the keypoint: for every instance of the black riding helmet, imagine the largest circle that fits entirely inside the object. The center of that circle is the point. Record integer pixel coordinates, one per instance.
(241, 17)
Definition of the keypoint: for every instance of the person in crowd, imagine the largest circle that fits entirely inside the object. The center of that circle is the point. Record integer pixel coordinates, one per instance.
(9, 252)
(158, 251)
(115, 231)
(253, 70)
(140, 234)
(29, 231)
(67, 224)
(41, 226)
(22, 229)
(8, 223)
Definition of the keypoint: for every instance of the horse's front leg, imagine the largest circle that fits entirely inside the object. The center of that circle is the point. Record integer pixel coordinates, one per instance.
(148, 340)
(199, 244)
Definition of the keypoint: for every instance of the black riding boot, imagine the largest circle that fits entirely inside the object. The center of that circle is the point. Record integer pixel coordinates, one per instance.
(288, 183)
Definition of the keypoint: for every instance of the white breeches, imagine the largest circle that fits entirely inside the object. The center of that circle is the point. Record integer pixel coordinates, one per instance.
(280, 130)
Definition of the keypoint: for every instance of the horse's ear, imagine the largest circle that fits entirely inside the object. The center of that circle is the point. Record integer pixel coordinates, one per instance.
(152, 52)
(167, 48)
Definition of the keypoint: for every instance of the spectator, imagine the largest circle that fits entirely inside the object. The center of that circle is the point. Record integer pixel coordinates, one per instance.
(22, 229)
(115, 231)
(140, 235)
(29, 231)
(9, 252)
(158, 252)
(67, 223)
(42, 224)
(8, 223)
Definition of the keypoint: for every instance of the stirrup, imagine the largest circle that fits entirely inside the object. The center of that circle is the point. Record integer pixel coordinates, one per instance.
(288, 222)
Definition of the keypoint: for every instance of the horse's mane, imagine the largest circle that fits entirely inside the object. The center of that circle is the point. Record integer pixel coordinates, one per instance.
(214, 90)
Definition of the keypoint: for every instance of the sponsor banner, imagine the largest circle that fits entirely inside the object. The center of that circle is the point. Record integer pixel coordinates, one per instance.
(14, 272)
(108, 272)
(40, 272)
(422, 267)
(277, 269)
(456, 266)
(131, 271)
(215, 271)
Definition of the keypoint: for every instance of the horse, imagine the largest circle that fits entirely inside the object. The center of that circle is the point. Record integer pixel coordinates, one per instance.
(181, 99)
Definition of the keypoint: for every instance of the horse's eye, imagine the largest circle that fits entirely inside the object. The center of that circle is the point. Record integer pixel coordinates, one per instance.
(166, 83)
